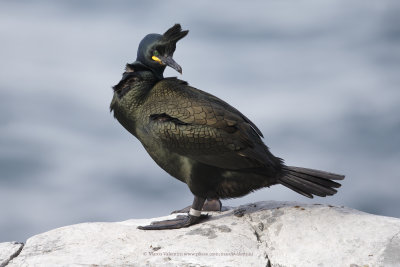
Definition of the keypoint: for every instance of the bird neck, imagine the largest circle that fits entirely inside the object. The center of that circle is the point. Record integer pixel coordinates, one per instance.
(139, 66)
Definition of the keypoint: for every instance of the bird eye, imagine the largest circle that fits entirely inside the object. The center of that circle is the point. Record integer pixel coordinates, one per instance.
(155, 53)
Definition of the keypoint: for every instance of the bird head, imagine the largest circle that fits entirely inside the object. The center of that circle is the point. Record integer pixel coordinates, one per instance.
(155, 50)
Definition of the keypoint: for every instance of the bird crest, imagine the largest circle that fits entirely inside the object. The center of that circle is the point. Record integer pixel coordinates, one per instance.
(171, 37)
(174, 34)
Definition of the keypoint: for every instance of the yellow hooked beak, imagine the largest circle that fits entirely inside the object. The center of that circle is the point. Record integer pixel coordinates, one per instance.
(167, 61)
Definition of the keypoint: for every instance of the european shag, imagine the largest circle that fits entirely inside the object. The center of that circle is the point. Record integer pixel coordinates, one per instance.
(198, 138)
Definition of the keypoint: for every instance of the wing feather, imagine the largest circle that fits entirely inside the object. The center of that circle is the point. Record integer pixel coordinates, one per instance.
(200, 126)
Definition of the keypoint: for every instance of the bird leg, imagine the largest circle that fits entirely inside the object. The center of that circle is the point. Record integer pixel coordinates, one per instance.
(194, 216)
(211, 204)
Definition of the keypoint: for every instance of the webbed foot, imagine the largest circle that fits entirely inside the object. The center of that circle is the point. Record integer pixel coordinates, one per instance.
(194, 216)
(180, 221)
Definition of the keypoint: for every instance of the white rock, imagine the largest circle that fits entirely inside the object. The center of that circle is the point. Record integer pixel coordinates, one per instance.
(275, 233)
(8, 250)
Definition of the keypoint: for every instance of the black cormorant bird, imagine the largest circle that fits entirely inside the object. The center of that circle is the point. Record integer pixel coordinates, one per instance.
(198, 138)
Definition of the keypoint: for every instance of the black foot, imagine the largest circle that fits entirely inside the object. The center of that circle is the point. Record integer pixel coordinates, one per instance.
(184, 210)
(179, 222)
(209, 205)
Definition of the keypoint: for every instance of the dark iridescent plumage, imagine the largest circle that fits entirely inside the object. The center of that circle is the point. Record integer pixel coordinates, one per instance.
(198, 138)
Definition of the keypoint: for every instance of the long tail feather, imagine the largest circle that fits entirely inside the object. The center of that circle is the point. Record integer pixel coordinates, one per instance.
(309, 182)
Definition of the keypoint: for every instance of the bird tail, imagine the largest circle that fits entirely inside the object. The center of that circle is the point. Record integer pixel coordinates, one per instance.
(309, 182)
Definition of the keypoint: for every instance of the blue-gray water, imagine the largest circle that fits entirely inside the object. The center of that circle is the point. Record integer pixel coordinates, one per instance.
(319, 78)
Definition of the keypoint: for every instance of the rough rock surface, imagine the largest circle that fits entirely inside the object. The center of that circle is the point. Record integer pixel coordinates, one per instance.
(8, 250)
(259, 234)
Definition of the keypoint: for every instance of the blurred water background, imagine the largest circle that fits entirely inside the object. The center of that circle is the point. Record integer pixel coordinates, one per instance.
(319, 78)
